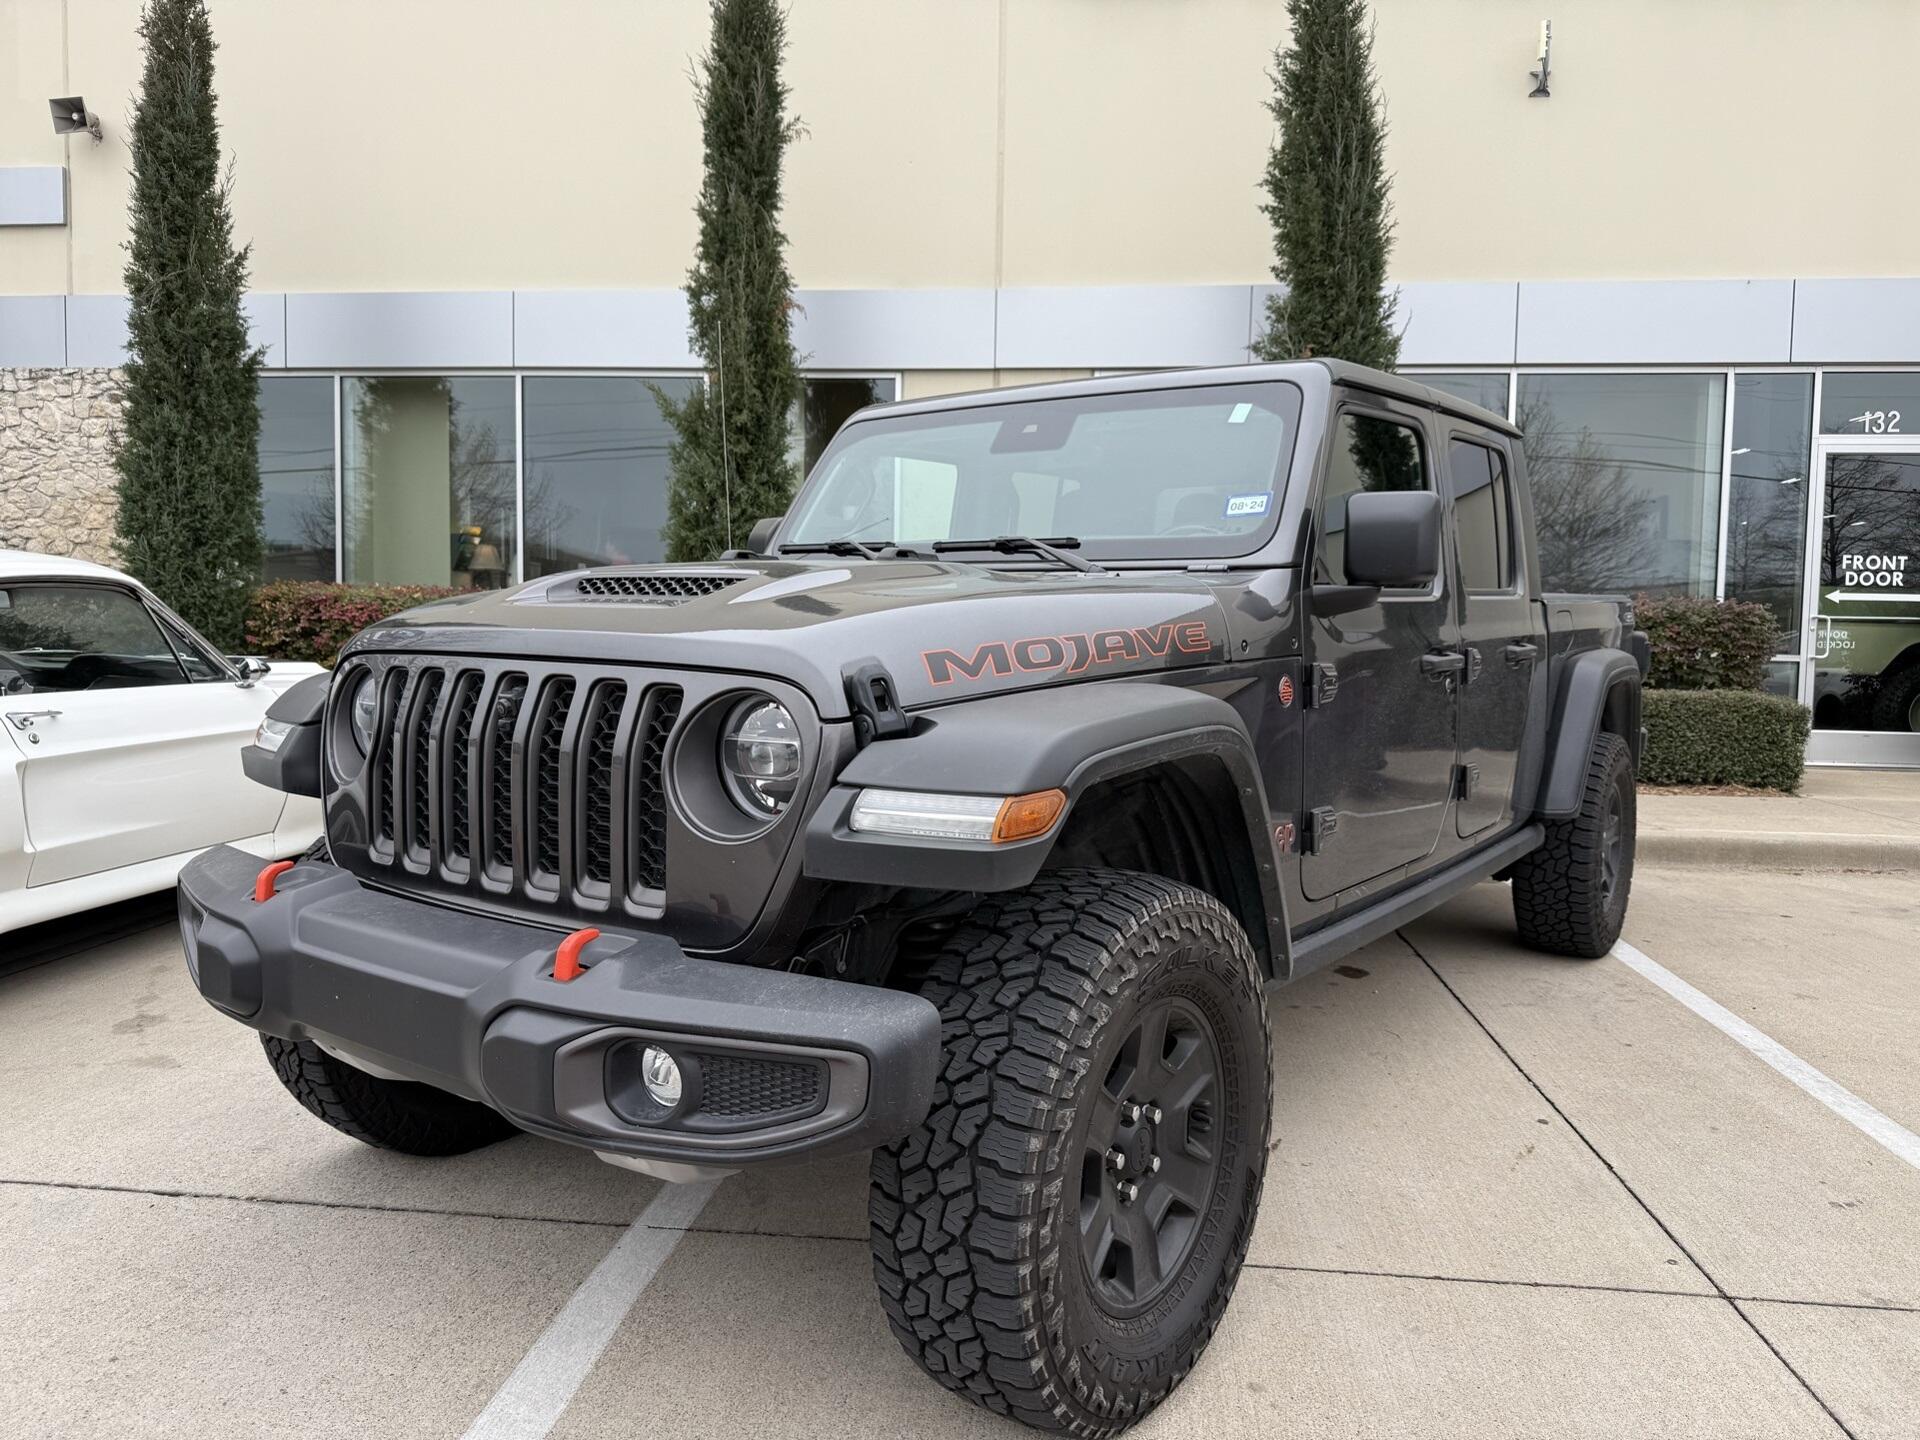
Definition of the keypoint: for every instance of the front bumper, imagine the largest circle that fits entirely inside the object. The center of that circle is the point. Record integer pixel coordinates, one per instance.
(776, 1065)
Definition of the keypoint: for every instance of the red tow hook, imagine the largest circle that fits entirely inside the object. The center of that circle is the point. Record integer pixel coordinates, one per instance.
(566, 960)
(263, 888)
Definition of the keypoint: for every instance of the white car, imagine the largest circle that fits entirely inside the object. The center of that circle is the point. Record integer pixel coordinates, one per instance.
(123, 729)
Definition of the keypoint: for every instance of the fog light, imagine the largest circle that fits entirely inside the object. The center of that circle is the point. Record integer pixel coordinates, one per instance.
(660, 1073)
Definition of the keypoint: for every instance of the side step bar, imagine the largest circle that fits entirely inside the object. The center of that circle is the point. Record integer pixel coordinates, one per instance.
(1348, 933)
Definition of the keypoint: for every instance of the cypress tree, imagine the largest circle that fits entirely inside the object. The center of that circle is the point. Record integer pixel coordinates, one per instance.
(189, 463)
(730, 457)
(1326, 187)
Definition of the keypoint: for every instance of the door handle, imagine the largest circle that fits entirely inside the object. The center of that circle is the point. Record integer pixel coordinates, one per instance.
(1521, 654)
(23, 719)
(1438, 664)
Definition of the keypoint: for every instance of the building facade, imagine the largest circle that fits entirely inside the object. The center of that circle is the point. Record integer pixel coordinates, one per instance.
(1680, 270)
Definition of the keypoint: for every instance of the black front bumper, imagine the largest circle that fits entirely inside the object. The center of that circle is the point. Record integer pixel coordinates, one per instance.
(775, 1065)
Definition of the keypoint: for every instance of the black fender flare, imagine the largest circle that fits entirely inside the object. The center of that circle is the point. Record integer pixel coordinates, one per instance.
(1587, 686)
(294, 767)
(1069, 738)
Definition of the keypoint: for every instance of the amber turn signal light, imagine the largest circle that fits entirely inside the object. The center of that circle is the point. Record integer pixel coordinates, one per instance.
(1024, 816)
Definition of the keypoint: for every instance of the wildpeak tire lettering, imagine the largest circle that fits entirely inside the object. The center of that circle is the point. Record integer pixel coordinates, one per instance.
(1071, 653)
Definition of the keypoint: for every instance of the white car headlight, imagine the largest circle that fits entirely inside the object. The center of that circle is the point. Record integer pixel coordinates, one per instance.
(272, 734)
(760, 756)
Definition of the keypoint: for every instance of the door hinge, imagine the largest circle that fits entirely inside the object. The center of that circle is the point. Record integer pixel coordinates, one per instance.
(1473, 663)
(1321, 823)
(1323, 683)
(1466, 780)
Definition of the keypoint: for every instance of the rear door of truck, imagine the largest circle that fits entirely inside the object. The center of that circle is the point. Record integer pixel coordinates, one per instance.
(1501, 630)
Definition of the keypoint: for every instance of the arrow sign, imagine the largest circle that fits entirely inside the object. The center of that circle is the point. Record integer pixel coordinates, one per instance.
(1872, 596)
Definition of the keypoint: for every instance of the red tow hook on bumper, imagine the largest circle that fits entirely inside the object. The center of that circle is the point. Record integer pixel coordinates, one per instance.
(566, 960)
(263, 887)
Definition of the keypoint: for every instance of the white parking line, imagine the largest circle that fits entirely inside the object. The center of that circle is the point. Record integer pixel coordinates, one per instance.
(1822, 1087)
(543, 1383)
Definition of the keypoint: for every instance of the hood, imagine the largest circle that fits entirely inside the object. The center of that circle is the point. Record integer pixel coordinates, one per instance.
(944, 630)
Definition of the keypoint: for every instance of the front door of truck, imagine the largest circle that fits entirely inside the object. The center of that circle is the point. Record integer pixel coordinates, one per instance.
(1500, 632)
(1380, 680)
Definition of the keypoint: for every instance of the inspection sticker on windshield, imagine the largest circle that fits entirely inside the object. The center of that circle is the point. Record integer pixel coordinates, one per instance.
(1248, 504)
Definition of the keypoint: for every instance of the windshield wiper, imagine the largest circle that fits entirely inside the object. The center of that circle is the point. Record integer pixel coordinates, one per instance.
(1055, 548)
(862, 548)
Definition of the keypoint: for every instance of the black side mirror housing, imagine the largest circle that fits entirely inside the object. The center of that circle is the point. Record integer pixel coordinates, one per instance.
(1393, 538)
(760, 537)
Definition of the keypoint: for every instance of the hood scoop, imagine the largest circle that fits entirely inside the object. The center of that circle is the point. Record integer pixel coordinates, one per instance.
(646, 587)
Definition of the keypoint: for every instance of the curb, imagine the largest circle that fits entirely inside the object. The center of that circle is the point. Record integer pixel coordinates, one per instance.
(1778, 849)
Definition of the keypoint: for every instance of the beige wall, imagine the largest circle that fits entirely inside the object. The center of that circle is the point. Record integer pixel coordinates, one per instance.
(495, 144)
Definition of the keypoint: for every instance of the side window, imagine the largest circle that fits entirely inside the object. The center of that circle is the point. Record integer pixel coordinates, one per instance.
(1483, 515)
(80, 637)
(1368, 454)
(195, 658)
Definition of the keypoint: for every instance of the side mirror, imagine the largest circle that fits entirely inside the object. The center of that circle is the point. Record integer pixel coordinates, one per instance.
(1393, 538)
(760, 537)
(251, 667)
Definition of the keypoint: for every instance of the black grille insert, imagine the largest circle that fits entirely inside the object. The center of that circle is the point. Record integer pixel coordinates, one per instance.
(648, 865)
(598, 735)
(496, 765)
(745, 1085)
(648, 589)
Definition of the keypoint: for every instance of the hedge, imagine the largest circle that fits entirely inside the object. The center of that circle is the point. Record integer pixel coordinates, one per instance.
(1706, 644)
(1723, 737)
(311, 619)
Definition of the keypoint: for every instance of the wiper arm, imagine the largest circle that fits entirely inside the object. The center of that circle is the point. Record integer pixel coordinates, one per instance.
(836, 547)
(1055, 549)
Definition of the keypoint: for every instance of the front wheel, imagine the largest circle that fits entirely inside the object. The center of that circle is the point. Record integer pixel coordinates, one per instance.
(1570, 895)
(390, 1114)
(1058, 1240)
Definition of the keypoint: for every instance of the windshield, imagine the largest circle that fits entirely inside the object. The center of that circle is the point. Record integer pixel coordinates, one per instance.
(1146, 474)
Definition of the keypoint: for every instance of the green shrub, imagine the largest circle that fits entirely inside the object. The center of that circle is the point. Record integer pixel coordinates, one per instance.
(1707, 644)
(1723, 737)
(311, 619)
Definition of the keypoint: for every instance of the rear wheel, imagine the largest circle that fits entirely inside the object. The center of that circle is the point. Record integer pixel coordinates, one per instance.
(1570, 895)
(1059, 1239)
(391, 1114)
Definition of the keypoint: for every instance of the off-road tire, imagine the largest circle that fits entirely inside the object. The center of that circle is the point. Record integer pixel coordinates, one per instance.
(1563, 901)
(976, 1216)
(392, 1114)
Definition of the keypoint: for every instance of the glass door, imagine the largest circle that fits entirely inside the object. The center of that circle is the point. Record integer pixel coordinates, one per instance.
(1863, 611)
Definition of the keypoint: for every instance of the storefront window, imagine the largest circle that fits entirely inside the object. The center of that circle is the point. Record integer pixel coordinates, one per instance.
(296, 477)
(1767, 495)
(428, 480)
(827, 403)
(1864, 402)
(597, 471)
(1626, 479)
(1489, 392)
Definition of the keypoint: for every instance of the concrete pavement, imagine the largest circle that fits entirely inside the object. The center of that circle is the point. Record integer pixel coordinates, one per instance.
(1509, 1196)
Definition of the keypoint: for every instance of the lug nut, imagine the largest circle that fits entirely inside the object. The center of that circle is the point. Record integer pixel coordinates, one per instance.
(1130, 1112)
(1116, 1159)
(1128, 1190)
(1153, 1165)
(1153, 1113)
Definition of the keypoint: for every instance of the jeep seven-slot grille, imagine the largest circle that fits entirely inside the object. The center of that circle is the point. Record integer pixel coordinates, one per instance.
(538, 786)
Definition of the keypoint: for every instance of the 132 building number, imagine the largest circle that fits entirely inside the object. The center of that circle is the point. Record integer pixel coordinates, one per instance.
(1878, 422)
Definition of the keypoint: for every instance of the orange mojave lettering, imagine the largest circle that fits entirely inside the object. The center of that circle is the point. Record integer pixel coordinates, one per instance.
(1073, 653)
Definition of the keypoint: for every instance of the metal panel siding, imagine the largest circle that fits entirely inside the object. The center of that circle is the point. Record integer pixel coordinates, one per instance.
(1856, 321)
(1464, 323)
(895, 329)
(33, 194)
(33, 330)
(1122, 326)
(400, 330)
(589, 329)
(1654, 322)
(267, 325)
(97, 330)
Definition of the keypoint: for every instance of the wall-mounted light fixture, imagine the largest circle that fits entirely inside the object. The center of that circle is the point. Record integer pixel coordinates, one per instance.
(71, 115)
(1540, 91)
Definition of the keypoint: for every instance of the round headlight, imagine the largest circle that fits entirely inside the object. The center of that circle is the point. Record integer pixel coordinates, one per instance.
(360, 712)
(760, 757)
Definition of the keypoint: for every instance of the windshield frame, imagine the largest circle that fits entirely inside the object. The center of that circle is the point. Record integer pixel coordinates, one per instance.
(1144, 549)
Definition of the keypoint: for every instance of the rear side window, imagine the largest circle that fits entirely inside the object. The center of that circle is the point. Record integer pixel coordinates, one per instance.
(1483, 515)
(1369, 453)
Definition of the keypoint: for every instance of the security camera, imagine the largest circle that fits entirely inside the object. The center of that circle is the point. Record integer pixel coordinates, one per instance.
(71, 115)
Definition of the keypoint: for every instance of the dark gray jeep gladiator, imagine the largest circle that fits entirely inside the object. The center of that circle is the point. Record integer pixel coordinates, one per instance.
(963, 817)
